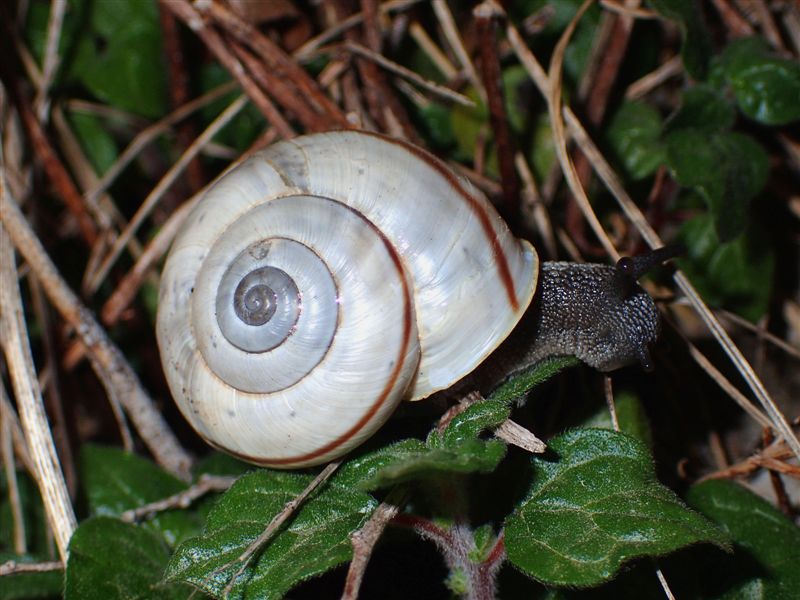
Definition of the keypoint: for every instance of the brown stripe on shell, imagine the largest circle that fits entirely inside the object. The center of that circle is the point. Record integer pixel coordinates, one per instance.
(475, 205)
(408, 319)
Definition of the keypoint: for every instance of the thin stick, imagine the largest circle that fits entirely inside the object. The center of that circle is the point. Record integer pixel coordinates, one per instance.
(766, 335)
(429, 47)
(54, 25)
(7, 450)
(113, 370)
(16, 346)
(654, 78)
(12, 567)
(364, 541)
(486, 15)
(17, 436)
(184, 499)
(278, 61)
(450, 30)
(436, 89)
(288, 510)
(664, 585)
(308, 49)
(219, 47)
(150, 133)
(162, 186)
(612, 406)
(53, 167)
(553, 95)
(515, 434)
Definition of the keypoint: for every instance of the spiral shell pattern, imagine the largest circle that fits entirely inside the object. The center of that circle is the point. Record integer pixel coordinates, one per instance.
(324, 280)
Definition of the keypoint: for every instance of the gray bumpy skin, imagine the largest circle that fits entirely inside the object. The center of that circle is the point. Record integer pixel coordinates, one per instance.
(593, 312)
(597, 313)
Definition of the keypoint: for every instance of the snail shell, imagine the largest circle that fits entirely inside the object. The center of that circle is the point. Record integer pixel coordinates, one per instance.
(323, 281)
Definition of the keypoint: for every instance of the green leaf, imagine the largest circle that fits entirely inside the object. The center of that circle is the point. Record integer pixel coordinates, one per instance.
(696, 47)
(110, 559)
(411, 460)
(120, 58)
(703, 109)
(594, 507)
(767, 87)
(29, 586)
(634, 136)
(759, 532)
(315, 539)
(727, 169)
(524, 381)
(474, 420)
(735, 275)
(97, 143)
(456, 449)
(117, 481)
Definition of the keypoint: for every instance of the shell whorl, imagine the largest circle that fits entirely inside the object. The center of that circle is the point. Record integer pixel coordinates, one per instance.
(322, 281)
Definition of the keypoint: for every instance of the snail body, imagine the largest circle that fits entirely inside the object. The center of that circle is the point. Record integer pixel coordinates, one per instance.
(331, 276)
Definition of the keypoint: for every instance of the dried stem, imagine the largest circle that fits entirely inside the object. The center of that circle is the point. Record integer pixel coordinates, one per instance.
(16, 347)
(113, 370)
(364, 541)
(486, 14)
(9, 468)
(205, 485)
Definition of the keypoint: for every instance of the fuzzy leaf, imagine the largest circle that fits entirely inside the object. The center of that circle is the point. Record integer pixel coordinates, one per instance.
(759, 532)
(473, 421)
(117, 481)
(314, 540)
(110, 559)
(411, 460)
(519, 384)
(594, 506)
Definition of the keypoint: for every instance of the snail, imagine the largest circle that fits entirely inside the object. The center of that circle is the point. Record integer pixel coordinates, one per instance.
(331, 276)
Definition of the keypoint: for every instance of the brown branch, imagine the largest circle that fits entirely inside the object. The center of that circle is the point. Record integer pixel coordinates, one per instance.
(179, 93)
(12, 567)
(205, 485)
(285, 95)
(186, 12)
(280, 62)
(364, 541)
(486, 14)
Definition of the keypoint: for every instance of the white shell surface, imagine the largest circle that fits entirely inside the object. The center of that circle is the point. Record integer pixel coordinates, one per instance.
(424, 280)
(472, 278)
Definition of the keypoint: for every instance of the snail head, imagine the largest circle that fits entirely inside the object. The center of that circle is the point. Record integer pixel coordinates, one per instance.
(599, 313)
